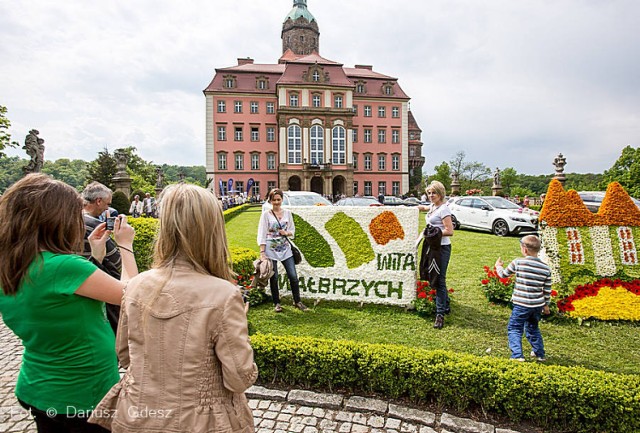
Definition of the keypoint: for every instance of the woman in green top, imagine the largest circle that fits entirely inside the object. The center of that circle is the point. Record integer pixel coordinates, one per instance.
(53, 300)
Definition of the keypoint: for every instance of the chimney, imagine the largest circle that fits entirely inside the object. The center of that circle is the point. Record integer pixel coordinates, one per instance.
(369, 67)
(245, 61)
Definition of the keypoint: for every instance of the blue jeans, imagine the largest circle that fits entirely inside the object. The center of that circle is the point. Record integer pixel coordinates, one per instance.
(290, 268)
(525, 320)
(442, 294)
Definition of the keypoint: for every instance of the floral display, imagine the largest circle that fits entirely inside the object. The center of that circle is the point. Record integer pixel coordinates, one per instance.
(385, 228)
(604, 299)
(356, 254)
(425, 302)
(474, 191)
(584, 248)
(497, 289)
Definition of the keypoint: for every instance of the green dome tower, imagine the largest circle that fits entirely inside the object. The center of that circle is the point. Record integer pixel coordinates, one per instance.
(300, 32)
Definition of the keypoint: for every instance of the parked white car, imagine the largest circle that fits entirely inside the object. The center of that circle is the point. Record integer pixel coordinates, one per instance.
(300, 198)
(495, 214)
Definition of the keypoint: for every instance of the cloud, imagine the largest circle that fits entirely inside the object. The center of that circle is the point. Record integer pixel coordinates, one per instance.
(510, 83)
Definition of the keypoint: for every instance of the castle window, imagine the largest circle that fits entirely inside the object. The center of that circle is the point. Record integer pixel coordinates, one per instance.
(222, 107)
(367, 111)
(316, 101)
(270, 108)
(239, 160)
(367, 187)
(229, 82)
(337, 101)
(395, 112)
(293, 100)
(339, 155)
(628, 253)
(294, 144)
(388, 89)
(360, 88)
(395, 163)
(316, 143)
(222, 161)
(395, 188)
(576, 250)
(316, 76)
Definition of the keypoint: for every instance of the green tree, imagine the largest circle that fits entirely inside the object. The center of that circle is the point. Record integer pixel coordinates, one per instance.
(71, 171)
(5, 137)
(10, 171)
(508, 179)
(102, 169)
(442, 174)
(471, 174)
(626, 171)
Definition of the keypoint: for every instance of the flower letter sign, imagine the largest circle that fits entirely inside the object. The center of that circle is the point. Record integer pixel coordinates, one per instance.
(356, 254)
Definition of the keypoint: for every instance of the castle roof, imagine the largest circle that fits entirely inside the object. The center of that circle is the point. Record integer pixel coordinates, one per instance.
(300, 11)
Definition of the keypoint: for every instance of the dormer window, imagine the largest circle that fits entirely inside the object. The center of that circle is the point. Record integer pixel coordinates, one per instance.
(316, 76)
(229, 82)
(387, 89)
(262, 83)
(360, 88)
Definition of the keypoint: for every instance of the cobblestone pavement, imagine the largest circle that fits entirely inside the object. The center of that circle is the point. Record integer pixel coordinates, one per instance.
(274, 411)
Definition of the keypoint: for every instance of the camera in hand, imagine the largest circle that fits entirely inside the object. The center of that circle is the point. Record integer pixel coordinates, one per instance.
(111, 223)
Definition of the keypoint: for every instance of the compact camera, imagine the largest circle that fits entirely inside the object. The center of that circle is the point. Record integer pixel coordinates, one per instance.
(111, 223)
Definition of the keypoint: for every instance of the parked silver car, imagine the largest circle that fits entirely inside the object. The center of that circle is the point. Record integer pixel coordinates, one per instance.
(593, 199)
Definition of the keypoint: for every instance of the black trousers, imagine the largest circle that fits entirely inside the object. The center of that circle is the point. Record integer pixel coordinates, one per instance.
(61, 423)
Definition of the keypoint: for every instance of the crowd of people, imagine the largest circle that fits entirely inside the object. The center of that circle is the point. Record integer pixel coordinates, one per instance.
(72, 293)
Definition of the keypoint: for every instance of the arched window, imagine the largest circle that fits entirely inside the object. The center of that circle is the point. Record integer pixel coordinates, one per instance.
(294, 144)
(317, 144)
(339, 142)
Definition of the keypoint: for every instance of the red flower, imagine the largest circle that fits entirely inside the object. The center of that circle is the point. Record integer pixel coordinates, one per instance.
(451, 290)
(484, 282)
(554, 293)
(422, 295)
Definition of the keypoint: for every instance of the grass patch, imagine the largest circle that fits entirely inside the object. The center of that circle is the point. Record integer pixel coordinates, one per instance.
(474, 325)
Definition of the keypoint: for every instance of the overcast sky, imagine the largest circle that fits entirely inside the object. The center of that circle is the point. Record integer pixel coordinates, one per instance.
(510, 83)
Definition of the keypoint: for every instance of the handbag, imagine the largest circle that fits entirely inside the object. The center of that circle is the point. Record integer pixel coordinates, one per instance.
(297, 256)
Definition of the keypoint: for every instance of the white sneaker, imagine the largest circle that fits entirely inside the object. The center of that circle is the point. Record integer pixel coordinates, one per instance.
(518, 359)
(538, 358)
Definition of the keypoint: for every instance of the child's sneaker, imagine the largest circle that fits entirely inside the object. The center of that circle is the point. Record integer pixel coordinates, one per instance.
(538, 358)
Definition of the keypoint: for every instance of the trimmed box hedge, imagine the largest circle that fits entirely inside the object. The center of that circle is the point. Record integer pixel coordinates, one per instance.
(561, 398)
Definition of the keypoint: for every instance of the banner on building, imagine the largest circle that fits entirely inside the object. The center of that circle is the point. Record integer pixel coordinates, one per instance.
(250, 183)
(229, 185)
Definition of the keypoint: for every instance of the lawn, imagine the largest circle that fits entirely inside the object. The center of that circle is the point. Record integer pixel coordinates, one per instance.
(474, 325)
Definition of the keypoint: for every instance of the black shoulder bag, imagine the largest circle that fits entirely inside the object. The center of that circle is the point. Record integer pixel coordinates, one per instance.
(297, 257)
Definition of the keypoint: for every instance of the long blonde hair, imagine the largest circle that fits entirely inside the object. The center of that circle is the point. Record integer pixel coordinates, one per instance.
(191, 228)
(37, 213)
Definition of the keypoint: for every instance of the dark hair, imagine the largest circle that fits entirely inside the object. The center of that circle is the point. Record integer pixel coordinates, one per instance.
(37, 214)
(273, 192)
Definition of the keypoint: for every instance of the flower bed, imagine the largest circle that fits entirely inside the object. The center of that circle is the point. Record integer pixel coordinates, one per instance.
(425, 302)
(585, 250)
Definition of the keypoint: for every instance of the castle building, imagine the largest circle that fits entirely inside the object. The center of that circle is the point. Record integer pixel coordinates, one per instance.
(308, 123)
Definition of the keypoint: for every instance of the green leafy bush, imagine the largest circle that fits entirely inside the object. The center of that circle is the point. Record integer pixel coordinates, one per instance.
(233, 211)
(146, 230)
(313, 245)
(120, 202)
(592, 401)
(351, 239)
(242, 259)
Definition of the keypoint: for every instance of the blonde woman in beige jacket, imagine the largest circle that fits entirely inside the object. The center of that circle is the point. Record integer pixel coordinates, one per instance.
(182, 335)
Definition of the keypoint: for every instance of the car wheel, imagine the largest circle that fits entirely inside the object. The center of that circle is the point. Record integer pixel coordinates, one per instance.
(456, 223)
(500, 228)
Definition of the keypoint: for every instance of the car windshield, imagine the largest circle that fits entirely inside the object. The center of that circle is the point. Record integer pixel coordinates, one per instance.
(308, 200)
(501, 203)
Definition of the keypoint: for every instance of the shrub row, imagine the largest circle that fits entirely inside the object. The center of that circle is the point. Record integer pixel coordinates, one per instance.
(146, 229)
(559, 398)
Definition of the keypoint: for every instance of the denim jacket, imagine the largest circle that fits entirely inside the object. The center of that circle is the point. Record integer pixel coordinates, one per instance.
(184, 343)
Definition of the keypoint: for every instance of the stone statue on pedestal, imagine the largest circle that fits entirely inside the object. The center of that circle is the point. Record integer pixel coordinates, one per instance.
(121, 162)
(160, 178)
(34, 146)
(496, 178)
(559, 162)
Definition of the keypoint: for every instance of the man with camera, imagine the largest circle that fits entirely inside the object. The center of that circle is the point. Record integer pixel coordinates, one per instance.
(97, 199)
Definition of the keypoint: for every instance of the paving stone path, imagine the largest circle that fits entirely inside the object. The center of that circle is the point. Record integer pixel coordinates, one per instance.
(274, 411)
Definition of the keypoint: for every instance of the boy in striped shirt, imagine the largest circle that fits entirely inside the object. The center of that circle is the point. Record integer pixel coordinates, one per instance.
(530, 298)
